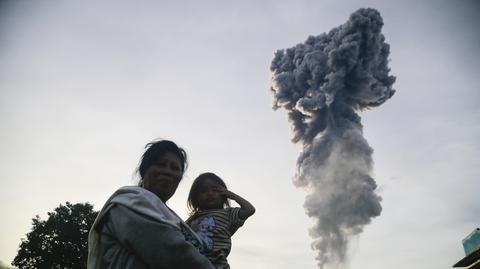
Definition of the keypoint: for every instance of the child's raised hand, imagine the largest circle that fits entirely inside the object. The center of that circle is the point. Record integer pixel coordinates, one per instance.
(246, 209)
(223, 191)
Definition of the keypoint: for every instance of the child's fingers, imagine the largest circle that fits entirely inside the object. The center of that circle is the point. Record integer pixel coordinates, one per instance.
(219, 188)
(223, 192)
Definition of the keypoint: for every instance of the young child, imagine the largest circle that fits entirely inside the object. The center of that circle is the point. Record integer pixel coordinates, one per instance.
(213, 219)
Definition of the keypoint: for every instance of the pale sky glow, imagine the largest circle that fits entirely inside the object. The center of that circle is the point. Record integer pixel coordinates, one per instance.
(84, 85)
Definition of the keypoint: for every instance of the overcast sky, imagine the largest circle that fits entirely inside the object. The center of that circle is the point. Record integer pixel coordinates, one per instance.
(84, 85)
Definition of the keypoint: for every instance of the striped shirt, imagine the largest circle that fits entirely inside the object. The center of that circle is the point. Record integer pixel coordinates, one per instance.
(215, 227)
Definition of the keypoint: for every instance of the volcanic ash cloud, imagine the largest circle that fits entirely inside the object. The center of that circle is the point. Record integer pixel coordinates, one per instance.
(323, 83)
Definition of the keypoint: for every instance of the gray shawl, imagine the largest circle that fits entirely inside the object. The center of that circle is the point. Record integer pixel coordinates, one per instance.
(135, 229)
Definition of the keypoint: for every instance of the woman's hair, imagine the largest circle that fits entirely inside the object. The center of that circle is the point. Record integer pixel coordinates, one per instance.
(192, 202)
(156, 149)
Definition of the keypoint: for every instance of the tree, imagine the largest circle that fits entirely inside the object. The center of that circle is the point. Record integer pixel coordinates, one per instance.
(59, 242)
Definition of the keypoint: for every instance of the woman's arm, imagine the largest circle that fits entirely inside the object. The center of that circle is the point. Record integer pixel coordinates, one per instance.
(156, 244)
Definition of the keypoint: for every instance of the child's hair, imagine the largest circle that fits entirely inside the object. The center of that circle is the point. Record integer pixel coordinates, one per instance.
(195, 189)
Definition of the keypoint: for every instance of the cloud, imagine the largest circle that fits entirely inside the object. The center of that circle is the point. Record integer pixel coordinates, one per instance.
(322, 84)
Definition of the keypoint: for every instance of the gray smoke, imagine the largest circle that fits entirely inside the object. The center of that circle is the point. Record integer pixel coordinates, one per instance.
(323, 83)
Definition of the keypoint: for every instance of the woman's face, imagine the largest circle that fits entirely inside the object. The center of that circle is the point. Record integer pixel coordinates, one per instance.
(163, 177)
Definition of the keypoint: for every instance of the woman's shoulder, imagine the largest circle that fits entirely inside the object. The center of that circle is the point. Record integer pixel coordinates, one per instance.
(132, 190)
(143, 202)
(135, 194)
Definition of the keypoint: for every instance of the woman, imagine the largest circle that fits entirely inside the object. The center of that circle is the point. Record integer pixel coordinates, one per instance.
(135, 228)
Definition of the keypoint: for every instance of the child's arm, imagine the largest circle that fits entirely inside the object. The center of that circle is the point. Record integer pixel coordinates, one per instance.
(246, 208)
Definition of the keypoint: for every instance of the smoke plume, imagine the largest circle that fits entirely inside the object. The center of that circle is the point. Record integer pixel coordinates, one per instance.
(322, 84)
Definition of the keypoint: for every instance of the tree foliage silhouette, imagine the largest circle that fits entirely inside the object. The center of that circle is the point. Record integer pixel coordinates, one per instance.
(61, 241)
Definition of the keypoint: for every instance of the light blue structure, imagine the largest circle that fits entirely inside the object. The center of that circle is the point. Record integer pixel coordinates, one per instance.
(472, 242)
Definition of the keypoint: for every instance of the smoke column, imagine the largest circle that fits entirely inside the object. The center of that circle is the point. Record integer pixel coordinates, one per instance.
(322, 84)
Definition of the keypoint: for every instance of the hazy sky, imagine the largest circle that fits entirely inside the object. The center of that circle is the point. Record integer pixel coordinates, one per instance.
(84, 85)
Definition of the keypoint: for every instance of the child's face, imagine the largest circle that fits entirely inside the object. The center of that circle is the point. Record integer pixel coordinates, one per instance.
(209, 197)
